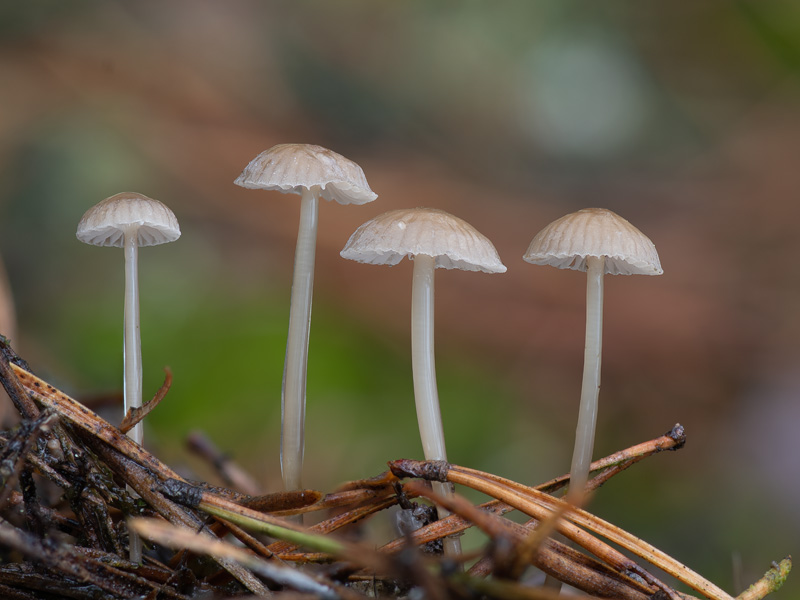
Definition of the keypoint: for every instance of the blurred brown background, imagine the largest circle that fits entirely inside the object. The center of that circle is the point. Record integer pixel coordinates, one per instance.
(682, 117)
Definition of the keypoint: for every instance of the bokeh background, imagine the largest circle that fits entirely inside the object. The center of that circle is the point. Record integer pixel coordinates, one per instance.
(682, 117)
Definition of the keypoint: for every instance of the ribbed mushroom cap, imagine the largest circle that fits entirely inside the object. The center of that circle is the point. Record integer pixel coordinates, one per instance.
(289, 168)
(566, 242)
(106, 222)
(454, 243)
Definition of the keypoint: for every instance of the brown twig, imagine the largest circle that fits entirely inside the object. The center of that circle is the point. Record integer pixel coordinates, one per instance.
(524, 553)
(137, 413)
(116, 447)
(498, 529)
(285, 503)
(283, 549)
(17, 449)
(175, 537)
(540, 505)
(142, 482)
(508, 590)
(19, 396)
(552, 557)
(83, 418)
(78, 567)
(611, 532)
(604, 468)
(91, 460)
(615, 463)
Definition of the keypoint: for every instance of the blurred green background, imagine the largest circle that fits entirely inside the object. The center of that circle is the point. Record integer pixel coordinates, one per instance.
(682, 117)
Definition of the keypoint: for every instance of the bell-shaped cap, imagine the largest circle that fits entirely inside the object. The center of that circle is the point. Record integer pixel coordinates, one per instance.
(105, 223)
(291, 168)
(454, 243)
(566, 242)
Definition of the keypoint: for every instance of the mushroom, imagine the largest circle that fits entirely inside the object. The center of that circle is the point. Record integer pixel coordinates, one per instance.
(431, 238)
(129, 220)
(597, 241)
(313, 172)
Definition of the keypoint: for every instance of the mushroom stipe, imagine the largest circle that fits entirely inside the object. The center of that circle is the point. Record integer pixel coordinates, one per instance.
(597, 241)
(312, 172)
(432, 238)
(130, 220)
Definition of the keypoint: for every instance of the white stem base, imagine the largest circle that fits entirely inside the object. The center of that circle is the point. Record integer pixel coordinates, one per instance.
(132, 356)
(426, 394)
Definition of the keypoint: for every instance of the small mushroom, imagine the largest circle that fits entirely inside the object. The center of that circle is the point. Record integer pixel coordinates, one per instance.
(129, 220)
(432, 239)
(313, 172)
(597, 241)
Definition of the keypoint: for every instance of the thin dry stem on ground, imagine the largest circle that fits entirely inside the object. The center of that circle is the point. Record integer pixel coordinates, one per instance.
(66, 513)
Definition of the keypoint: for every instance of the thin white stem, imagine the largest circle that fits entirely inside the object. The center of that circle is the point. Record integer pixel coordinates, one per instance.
(425, 392)
(132, 338)
(132, 353)
(293, 393)
(590, 388)
(423, 365)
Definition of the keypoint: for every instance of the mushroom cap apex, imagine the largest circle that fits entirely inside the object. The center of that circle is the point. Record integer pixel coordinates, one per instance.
(106, 223)
(566, 242)
(452, 242)
(293, 168)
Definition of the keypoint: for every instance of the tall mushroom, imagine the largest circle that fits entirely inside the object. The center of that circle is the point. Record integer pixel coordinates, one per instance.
(597, 241)
(432, 239)
(312, 172)
(129, 220)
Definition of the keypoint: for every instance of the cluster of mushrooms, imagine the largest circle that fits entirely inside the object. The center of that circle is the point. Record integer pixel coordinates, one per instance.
(593, 240)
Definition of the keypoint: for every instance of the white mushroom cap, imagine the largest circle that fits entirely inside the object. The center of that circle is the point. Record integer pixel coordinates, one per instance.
(454, 243)
(566, 242)
(106, 222)
(291, 168)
